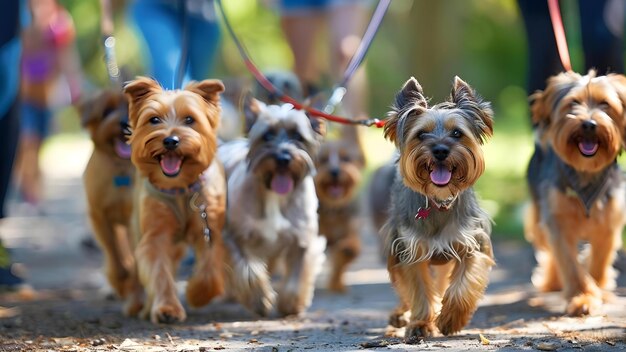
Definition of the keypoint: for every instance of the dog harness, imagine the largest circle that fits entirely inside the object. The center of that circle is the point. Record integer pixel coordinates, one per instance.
(184, 202)
(598, 188)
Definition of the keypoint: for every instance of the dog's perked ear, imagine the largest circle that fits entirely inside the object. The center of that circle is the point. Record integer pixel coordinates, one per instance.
(319, 126)
(209, 90)
(618, 81)
(408, 99)
(251, 110)
(87, 107)
(544, 103)
(94, 109)
(138, 90)
(474, 106)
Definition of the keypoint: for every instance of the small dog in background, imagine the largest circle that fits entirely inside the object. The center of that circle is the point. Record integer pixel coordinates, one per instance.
(285, 81)
(272, 209)
(438, 246)
(339, 166)
(577, 187)
(181, 193)
(108, 181)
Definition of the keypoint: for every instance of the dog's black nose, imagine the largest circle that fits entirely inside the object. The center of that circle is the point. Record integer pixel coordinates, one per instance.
(334, 173)
(441, 152)
(283, 159)
(589, 125)
(171, 142)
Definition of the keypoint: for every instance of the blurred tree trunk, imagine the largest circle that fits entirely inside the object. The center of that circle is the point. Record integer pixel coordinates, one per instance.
(436, 44)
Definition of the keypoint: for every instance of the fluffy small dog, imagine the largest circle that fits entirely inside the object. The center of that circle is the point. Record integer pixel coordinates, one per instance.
(181, 193)
(339, 167)
(108, 181)
(577, 187)
(437, 237)
(272, 209)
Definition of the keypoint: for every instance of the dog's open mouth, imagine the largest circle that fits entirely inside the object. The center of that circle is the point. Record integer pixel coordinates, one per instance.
(282, 183)
(440, 175)
(171, 163)
(588, 146)
(335, 190)
(122, 149)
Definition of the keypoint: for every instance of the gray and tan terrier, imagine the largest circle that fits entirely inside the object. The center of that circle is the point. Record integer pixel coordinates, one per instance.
(437, 237)
(272, 209)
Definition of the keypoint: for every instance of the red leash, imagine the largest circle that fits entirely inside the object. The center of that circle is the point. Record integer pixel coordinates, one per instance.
(263, 81)
(559, 33)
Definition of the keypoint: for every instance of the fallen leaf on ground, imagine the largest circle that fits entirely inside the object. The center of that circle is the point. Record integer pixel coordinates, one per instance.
(483, 339)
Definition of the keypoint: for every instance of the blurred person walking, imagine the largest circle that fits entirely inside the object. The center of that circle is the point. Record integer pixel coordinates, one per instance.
(164, 24)
(345, 20)
(51, 78)
(9, 119)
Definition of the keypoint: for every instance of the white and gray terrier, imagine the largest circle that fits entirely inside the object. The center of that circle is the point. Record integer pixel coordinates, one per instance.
(272, 209)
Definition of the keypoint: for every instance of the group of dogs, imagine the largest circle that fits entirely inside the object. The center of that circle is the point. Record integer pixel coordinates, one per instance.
(261, 212)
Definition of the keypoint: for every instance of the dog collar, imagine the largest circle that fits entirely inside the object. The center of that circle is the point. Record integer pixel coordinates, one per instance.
(192, 188)
(122, 181)
(441, 205)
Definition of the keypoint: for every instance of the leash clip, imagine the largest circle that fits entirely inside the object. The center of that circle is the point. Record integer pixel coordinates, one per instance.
(203, 214)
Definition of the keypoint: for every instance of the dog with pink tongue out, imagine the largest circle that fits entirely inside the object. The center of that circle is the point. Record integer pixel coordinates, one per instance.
(272, 209)
(437, 236)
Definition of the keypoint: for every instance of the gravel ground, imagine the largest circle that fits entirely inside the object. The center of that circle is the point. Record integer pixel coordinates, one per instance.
(71, 311)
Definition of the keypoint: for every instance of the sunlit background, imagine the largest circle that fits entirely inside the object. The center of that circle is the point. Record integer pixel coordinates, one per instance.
(482, 41)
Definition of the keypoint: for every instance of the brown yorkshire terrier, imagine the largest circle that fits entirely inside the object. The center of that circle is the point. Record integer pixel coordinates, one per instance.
(108, 181)
(180, 196)
(437, 237)
(272, 209)
(577, 188)
(339, 167)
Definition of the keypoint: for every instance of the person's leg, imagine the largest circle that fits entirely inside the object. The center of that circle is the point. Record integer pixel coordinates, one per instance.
(158, 23)
(604, 50)
(347, 26)
(33, 120)
(543, 58)
(204, 35)
(9, 132)
(301, 24)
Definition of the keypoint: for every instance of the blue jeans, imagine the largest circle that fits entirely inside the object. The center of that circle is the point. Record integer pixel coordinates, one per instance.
(305, 7)
(160, 23)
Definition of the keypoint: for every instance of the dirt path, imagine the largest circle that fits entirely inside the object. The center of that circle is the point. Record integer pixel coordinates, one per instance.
(73, 314)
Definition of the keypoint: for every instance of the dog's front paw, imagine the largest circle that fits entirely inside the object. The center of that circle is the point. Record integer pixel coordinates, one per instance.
(133, 306)
(419, 329)
(289, 303)
(450, 322)
(167, 313)
(262, 304)
(583, 304)
(200, 291)
(399, 318)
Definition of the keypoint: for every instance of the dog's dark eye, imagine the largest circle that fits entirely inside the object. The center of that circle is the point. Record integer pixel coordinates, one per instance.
(107, 112)
(575, 102)
(155, 120)
(604, 106)
(421, 135)
(345, 158)
(457, 133)
(296, 136)
(189, 120)
(268, 136)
